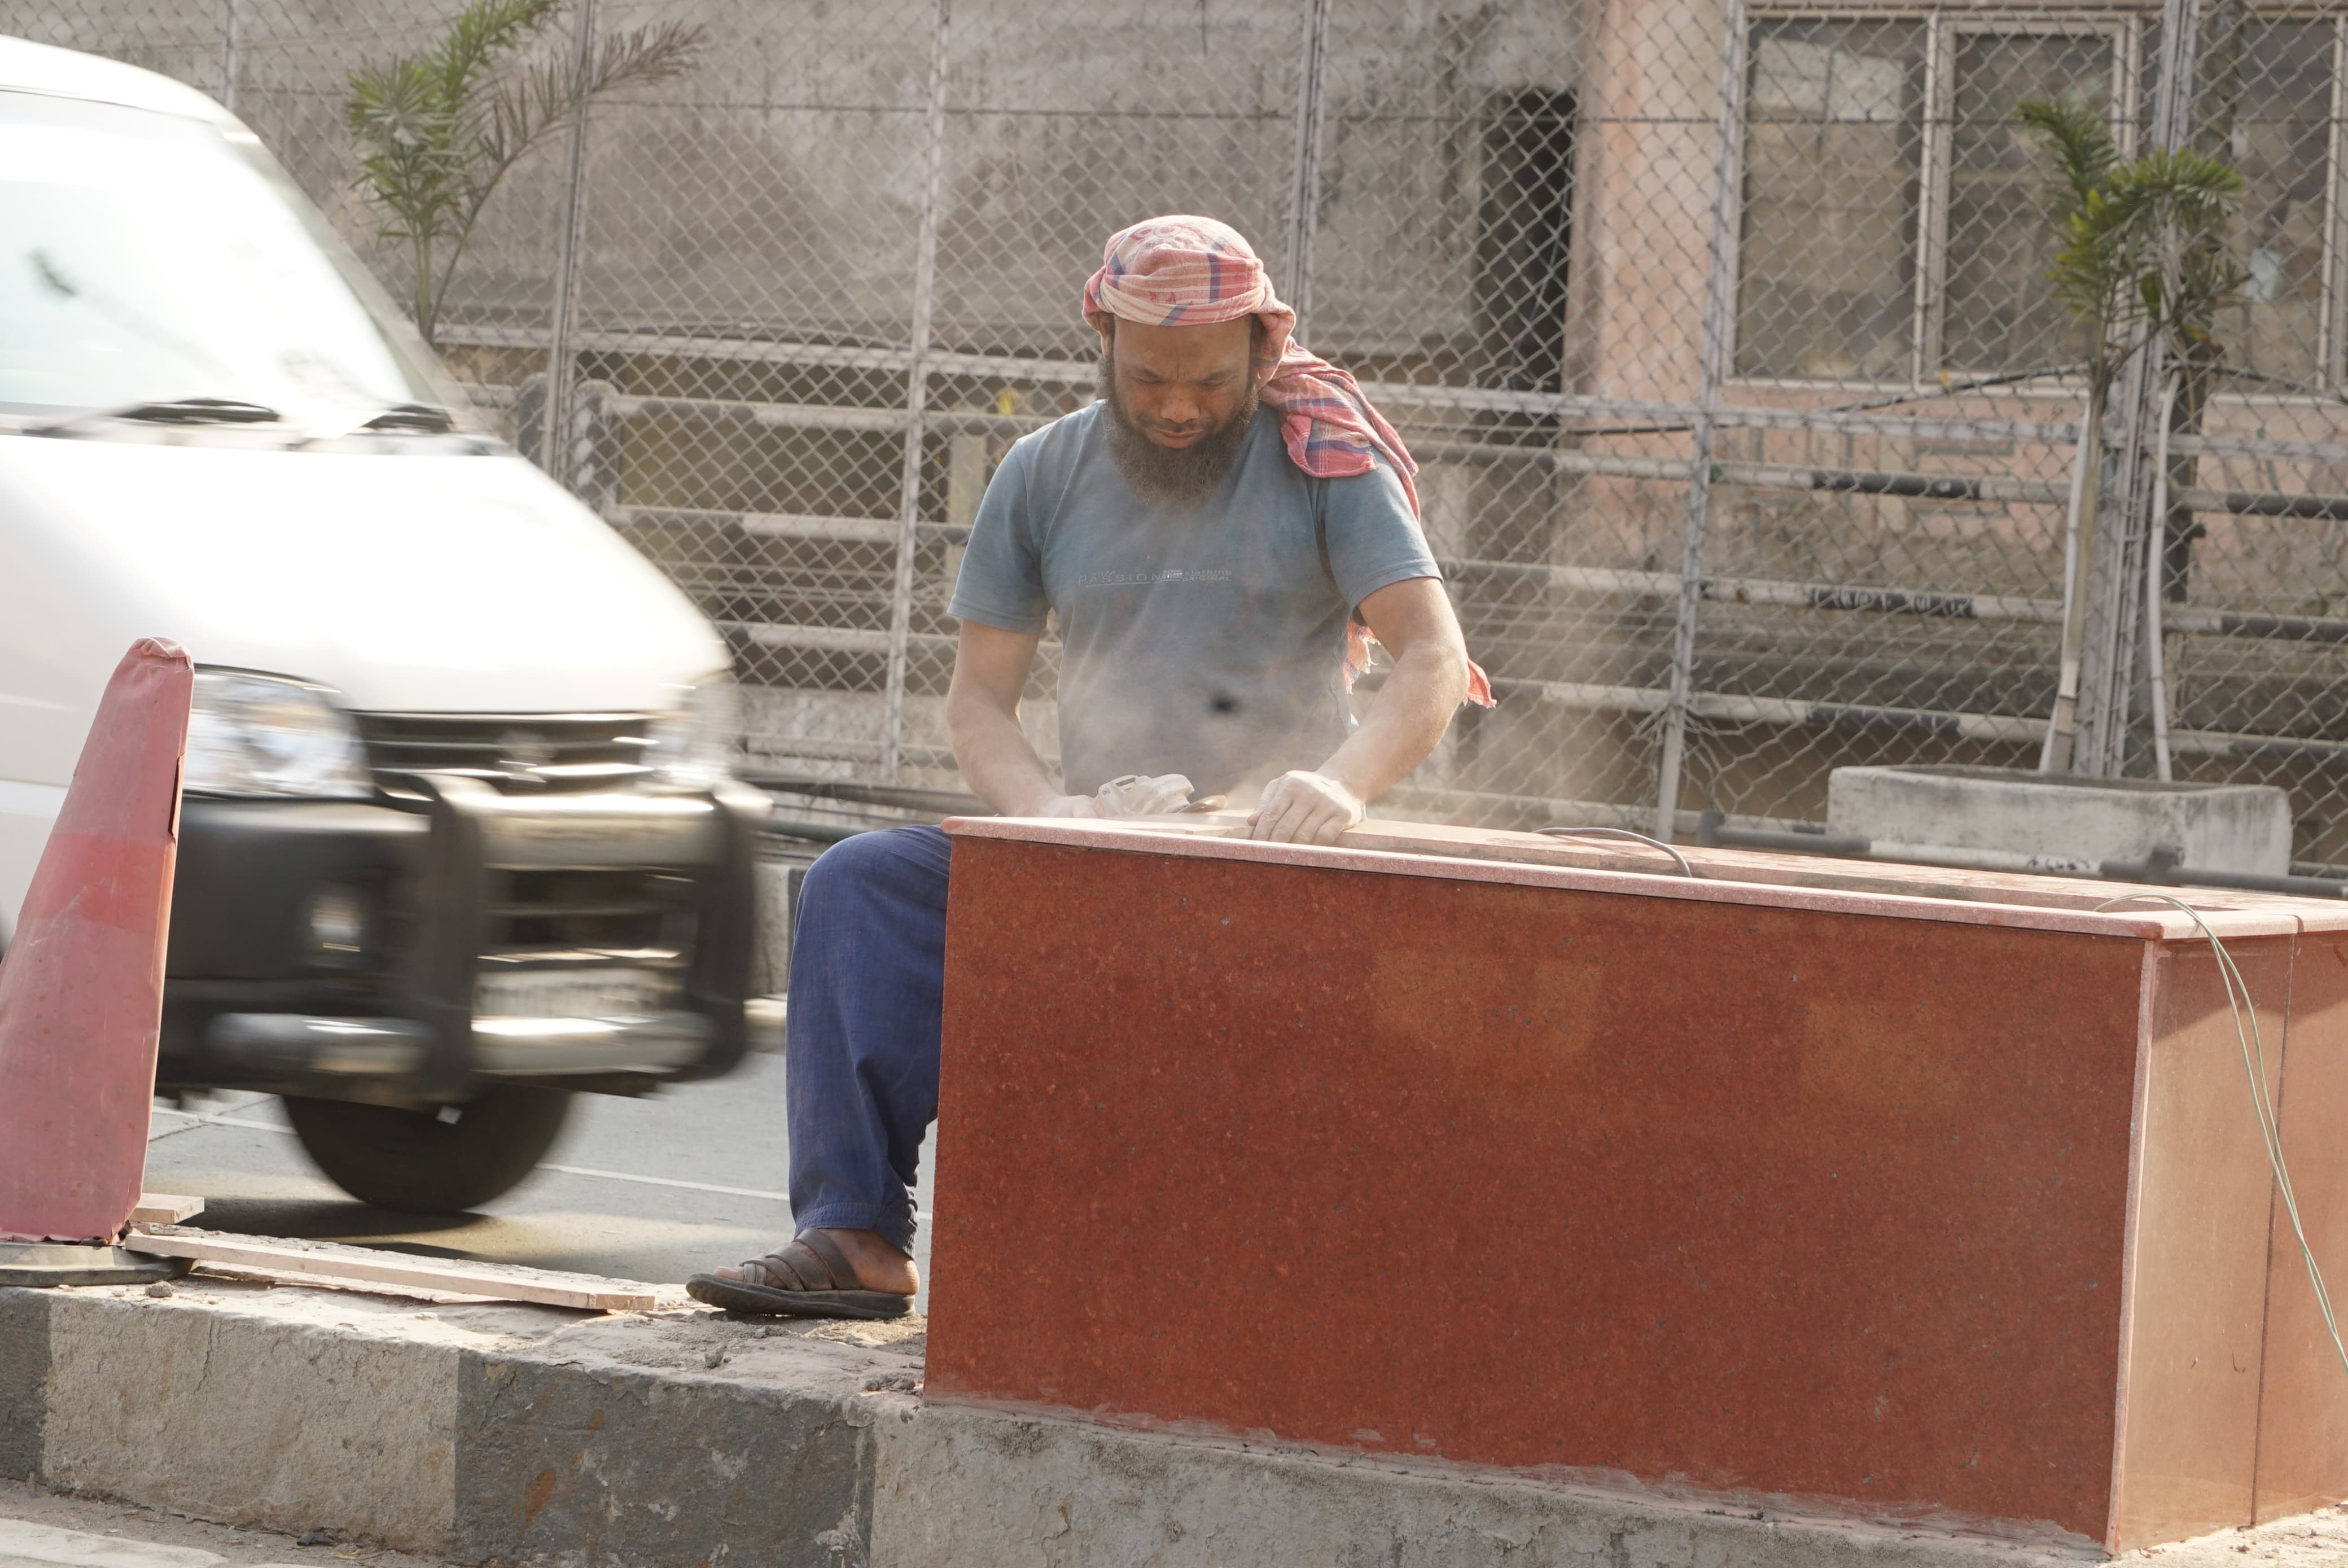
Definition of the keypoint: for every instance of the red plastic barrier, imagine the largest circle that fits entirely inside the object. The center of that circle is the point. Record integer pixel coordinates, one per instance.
(81, 993)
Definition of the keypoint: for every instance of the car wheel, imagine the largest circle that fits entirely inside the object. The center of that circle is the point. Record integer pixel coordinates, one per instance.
(436, 1160)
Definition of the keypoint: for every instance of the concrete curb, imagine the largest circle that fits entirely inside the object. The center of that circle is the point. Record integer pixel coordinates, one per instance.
(511, 1435)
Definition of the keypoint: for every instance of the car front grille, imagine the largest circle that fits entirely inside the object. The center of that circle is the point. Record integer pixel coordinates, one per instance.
(521, 753)
(636, 910)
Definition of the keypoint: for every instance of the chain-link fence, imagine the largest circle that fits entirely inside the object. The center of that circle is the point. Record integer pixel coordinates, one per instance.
(1751, 421)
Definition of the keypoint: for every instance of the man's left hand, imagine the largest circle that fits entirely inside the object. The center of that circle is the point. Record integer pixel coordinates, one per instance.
(1302, 807)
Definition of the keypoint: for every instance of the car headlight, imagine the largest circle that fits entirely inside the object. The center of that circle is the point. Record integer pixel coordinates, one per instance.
(262, 735)
(693, 743)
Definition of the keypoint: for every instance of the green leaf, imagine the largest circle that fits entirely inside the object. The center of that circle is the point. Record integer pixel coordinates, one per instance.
(437, 130)
(2144, 243)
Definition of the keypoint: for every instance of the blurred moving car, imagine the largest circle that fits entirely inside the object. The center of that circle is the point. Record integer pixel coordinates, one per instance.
(457, 840)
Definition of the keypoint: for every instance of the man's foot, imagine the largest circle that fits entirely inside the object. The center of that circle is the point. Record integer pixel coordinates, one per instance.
(879, 1265)
(822, 1273)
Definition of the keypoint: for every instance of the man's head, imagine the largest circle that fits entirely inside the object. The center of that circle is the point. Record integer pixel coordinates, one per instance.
(1189, 332)
(1180, 400)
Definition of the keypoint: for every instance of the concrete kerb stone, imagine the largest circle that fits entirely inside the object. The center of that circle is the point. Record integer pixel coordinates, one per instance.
(286, 1422)
(479, 1432)
(23, 1381)
(498, 1434)
(571, 1462)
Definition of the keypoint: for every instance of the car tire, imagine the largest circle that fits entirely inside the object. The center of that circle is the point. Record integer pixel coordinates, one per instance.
(427, 1162)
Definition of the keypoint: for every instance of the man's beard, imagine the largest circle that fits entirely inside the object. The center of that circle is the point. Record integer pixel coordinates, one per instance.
(1182, 475)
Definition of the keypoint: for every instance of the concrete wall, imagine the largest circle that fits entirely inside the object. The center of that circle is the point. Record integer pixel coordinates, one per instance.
(777, 188)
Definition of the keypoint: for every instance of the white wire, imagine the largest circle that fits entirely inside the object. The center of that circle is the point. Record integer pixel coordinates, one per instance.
(2254, 1065)
(1686, 869)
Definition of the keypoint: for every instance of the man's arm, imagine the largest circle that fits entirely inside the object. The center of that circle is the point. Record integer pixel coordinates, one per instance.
(1414, 620)
(983, 725)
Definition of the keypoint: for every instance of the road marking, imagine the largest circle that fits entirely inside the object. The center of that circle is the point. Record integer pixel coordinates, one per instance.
(690, 1186)
(205, 1118)
(669, 1181)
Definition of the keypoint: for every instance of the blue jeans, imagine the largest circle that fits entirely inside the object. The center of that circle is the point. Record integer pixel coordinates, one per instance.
(861, 1056)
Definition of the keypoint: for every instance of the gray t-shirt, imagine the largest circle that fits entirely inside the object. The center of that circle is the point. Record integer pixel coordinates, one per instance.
(1208, 641)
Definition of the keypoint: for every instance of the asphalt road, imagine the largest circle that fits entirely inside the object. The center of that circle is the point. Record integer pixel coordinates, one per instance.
(654, 1189)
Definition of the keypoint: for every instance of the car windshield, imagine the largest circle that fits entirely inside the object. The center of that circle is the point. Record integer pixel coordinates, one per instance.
(147, 259)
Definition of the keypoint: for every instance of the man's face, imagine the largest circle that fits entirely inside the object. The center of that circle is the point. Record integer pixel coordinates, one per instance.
(1182, 398)
(1181, 384)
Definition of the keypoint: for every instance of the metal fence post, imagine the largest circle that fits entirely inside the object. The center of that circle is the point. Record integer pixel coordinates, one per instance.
(228, 54)
(1304, 188)
(2127, 528)
(917, 394)
(1719, 313)
(554, 454)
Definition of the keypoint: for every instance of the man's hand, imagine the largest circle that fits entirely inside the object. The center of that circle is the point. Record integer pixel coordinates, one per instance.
(1131, 795)
(1134, 796)
(1302, 807)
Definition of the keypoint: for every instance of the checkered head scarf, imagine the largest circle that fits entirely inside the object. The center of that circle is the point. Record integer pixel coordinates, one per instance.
(1186, 270)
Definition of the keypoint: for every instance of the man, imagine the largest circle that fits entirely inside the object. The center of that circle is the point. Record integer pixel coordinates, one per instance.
(1206, 534)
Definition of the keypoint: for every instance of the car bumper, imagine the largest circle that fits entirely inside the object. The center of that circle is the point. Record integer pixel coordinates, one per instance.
(376, 997)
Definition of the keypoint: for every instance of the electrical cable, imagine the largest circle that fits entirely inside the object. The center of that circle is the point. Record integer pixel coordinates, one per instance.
(2254, 1066)
(1686, 869)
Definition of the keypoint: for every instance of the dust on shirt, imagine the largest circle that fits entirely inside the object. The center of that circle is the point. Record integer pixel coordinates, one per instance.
(1206, 640)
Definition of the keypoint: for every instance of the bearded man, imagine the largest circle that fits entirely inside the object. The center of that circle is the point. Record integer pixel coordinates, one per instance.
(1215, 537)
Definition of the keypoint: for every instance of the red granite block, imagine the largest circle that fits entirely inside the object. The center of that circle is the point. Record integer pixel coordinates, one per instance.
(1903, 1206)
(2303, 1407)
(2188, 1380)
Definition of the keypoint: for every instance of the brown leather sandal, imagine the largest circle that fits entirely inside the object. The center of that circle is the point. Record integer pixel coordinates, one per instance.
(811, 1277)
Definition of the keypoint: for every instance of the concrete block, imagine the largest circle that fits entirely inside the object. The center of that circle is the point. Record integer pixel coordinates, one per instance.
(2216, 827)
(252, 1419)
(654, 1467)
(23, 1381)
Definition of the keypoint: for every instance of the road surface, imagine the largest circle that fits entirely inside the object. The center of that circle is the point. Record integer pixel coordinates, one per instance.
(38, 1528)
(653, 1189)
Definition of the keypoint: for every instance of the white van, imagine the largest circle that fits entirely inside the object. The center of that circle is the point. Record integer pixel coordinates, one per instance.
(458, 839)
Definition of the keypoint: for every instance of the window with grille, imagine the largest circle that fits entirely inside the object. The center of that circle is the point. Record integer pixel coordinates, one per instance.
(1896, 225)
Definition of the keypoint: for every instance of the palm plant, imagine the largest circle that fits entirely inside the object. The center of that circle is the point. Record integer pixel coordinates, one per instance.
(440, 128)
(2144, 260)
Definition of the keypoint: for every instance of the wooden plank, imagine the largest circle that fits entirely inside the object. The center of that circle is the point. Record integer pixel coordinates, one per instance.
(165, 1209)
(387, 1268)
